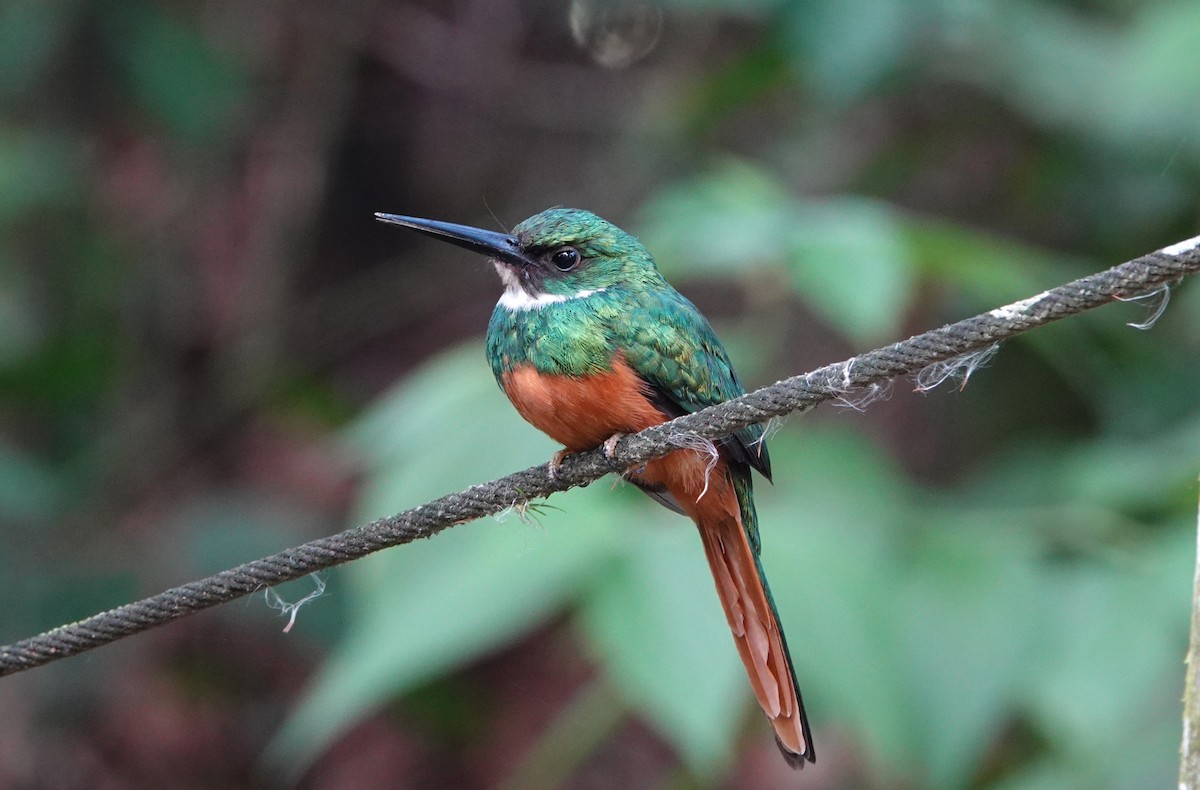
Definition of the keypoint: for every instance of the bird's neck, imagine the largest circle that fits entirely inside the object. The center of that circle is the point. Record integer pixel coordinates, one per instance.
(516, 299)
(567, 334)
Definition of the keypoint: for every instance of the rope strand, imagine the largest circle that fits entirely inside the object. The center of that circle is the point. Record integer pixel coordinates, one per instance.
(796, 394)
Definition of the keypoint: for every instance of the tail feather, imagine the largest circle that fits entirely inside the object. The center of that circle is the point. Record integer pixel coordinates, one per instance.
(720, 500)
(726, 523)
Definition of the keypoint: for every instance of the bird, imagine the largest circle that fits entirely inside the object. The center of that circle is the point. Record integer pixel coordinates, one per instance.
(590, 342)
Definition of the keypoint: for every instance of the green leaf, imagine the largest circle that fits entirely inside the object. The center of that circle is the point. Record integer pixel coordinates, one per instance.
(844, 48)
(29, 488)
(730, 219)
(173, 71)
(1111, 473)
(221, 528)
(750, 9)
(847, 258)
(850, 263)
(1110, 662)
(32, 33)
(425, 608)
(36, 170)
(22, 327)
(967, 617)
(988, 268)
(1134, 474)
(1131, 85)
(741, 83)
(658, 627)
(832, 534)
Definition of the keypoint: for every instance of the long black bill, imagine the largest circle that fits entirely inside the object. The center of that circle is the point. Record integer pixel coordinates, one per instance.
(487, 242)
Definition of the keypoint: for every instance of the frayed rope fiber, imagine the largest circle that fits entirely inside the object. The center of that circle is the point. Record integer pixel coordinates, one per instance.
(796, 394)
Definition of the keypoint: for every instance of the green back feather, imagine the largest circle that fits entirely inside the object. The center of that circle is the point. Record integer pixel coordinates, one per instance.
(631, 309)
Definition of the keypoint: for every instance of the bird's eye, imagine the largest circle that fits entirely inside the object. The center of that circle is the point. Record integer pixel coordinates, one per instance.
(565, 259)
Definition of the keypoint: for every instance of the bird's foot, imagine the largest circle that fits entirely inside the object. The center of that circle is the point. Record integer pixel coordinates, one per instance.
(610, 446)
(556, 462)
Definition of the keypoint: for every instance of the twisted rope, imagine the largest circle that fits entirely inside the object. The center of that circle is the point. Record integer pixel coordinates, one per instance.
(797, 394)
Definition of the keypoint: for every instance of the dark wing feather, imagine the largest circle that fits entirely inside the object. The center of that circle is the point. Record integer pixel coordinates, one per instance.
(674, 349)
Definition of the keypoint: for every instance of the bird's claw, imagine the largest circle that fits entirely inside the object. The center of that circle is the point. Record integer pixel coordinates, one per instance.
(610, 452)
(610, 446)
(556, 463)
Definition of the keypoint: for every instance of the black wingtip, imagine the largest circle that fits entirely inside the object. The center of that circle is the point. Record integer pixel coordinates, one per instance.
(794, 760)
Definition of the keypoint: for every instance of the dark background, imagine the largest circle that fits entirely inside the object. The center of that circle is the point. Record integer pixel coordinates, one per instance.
(209, 351)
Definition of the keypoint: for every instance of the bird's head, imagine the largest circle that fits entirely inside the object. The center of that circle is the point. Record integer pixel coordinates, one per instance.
(561, 252)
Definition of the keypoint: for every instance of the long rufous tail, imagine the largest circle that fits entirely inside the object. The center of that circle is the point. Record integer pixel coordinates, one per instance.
(728, 526)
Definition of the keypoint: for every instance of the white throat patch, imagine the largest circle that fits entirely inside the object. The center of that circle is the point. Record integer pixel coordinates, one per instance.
(515, 298)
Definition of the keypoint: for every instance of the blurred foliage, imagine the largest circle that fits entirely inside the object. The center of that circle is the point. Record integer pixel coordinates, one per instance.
(208, 352)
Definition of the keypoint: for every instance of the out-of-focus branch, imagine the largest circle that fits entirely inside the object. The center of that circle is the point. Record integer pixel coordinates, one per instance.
(1189, 758)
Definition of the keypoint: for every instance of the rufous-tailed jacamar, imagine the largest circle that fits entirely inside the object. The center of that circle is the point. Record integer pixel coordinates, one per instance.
(589, 341)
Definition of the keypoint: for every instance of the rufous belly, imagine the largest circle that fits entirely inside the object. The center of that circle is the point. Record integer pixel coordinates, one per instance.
(582, 411)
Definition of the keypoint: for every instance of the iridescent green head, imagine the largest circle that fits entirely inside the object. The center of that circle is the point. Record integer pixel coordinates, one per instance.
(559, 253)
